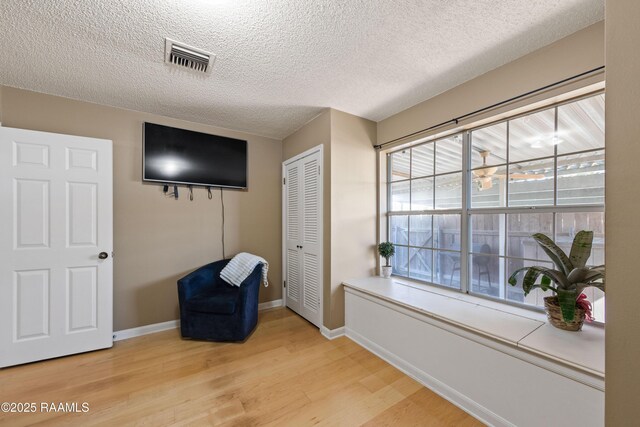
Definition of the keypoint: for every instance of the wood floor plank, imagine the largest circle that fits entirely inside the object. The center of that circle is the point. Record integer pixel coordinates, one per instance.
(285, 374)
(421, 409)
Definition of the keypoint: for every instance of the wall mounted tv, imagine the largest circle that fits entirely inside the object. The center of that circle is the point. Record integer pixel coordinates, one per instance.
(178, 156)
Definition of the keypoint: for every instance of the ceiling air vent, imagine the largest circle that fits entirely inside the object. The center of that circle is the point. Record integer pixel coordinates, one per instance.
(186, 56)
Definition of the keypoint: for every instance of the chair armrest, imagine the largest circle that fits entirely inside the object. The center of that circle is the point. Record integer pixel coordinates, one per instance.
(200, 279)
(250, 287)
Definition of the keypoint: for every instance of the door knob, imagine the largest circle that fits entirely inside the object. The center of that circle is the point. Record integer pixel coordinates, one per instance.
(103, 255)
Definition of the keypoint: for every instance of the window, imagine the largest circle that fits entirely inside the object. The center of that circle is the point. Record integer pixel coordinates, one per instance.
(467, 224)
(426, 201)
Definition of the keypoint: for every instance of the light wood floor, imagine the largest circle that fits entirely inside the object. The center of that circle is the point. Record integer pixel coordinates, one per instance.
(285, 374)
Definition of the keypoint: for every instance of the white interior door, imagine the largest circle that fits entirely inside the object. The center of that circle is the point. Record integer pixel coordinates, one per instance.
(303, 235)
(56, 228)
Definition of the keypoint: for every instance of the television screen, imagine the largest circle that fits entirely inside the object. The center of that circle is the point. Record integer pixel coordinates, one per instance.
(181, 156)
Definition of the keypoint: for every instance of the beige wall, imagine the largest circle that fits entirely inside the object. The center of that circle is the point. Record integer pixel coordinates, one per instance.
(353, 205)
(622, 225)
(158, 239)
(349, 200)
(579, 52)
(317, 132)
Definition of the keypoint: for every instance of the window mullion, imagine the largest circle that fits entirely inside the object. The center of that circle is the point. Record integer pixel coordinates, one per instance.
(555, 160)
(555, 175)
(464, 220)
(433, 206)
(410, 209)
(389, 166)
(539, 209)
(433, 179)
(507, 171)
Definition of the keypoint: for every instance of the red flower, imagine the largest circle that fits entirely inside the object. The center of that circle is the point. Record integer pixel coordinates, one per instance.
(586, 306)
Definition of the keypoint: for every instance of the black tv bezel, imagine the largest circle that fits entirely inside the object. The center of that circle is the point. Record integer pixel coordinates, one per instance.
(196, 184)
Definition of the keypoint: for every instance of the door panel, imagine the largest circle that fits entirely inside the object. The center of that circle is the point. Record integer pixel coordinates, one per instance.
(81, 159)
(31, 201)
(311, 285)
(293, 233)
(82, 215)
(293, 278)
(311, 201)
(310, 246)
(293, 204)
(25, 154)
(55, 294)
(82, 298)
(31, 304)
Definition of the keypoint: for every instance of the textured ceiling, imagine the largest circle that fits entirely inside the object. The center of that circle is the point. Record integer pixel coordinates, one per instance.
(279, 62)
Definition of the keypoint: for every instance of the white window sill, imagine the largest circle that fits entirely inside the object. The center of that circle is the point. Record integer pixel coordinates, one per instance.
(518, 328)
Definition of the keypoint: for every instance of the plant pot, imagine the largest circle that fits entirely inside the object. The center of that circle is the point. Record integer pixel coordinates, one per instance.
(554, 314)
(386, 271)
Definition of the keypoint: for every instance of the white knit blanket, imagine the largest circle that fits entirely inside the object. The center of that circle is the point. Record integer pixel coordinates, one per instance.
(241, 266)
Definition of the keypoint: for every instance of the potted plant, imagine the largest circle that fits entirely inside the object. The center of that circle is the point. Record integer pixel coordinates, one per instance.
(568, 307)
(386, 251)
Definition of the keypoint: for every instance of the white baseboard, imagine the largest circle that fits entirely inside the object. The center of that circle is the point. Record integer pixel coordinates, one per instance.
(144, 330)
(172, 324)
(463, 402)
(331, 334)
(270, 304)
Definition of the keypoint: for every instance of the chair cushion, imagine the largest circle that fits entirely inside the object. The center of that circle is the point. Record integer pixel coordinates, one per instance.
(220, 301)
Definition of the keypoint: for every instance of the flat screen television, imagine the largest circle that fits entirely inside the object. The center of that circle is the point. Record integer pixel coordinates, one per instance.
(178, 156)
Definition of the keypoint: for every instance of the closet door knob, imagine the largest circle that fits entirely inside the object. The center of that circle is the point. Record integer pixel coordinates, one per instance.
(103, 255)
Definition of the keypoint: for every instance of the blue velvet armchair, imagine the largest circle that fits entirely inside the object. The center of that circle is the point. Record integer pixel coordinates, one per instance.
(212, 309)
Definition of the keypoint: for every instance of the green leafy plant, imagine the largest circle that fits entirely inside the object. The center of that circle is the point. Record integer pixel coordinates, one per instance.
(386, 251)
(570, 277)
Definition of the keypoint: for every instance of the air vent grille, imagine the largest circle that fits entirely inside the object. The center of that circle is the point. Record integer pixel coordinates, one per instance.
(182, 55)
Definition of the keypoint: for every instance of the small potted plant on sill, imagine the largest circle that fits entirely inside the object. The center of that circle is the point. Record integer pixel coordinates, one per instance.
(386, 251)
(568, 308)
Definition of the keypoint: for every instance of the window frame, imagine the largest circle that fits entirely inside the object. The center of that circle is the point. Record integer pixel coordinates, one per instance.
(467, 210)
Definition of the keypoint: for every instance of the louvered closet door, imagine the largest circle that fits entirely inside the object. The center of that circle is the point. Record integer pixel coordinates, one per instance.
(303, 248)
